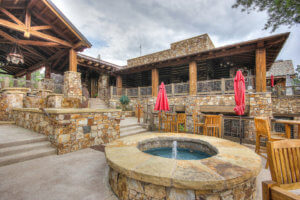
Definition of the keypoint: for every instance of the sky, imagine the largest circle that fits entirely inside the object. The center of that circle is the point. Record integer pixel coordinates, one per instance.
(117, 28)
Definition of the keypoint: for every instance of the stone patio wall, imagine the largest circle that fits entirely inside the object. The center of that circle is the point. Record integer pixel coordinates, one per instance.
(129, 189)
(71, 129)
(286, 105)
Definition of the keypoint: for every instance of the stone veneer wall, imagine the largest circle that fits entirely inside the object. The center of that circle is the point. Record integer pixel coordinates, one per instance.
(71, 129)
(260, 104)
(286, 106)
(10, 98)
(72, 84)
(129, 189)
(181, 48)
(103, 87)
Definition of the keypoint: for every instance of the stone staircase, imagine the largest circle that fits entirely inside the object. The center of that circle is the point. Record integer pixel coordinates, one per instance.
(18, 145)
(130, 126)
(97, 103)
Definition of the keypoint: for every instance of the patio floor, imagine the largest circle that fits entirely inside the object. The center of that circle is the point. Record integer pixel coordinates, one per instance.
(77, 175)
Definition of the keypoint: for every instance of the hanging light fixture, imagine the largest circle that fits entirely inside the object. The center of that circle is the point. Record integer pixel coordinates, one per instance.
(15, 56)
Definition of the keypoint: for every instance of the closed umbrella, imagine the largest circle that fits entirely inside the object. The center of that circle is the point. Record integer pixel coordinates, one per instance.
(162, 103)
(239, 95)
(272, 80)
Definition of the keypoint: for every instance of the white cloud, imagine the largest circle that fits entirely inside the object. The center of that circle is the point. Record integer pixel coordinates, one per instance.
(116, 28)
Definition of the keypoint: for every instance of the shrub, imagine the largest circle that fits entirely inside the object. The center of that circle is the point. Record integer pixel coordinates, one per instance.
(124, 100)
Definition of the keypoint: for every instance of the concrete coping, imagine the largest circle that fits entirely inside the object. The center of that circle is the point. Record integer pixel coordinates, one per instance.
(233, 164)
(66, 110)
(55, 94)
(15, 90)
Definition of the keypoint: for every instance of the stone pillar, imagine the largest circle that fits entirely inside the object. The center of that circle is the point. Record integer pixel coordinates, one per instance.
(260, 106)
(72, 85)
(261, 70)
(119, 85)
(103, 86)
(6, 82)
(155, 80)
(193, 78)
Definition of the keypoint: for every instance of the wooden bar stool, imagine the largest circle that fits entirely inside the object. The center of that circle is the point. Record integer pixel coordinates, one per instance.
(213, 125)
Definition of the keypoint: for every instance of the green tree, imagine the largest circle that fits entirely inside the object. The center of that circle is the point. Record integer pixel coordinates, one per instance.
(124, 100)
(281, 12)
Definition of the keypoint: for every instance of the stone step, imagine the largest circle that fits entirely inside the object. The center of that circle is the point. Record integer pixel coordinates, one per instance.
(38, 138)
(6, 122)
(131, 127)
(23, 148)
(133, 132)
(28, 155)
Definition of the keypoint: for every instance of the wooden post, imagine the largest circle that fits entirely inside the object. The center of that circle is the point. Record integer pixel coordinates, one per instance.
(223, 85)
(193, 78)
(47, 71)
(261, 70)
(28, 76)
(72, 60)
(155, 79)
(119, 85)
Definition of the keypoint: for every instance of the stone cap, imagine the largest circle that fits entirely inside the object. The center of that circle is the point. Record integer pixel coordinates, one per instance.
(15, 90)
(232, 165)
(66, 110)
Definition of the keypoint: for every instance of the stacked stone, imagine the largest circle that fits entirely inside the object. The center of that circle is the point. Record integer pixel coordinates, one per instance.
(286, 105)
(103, 87)
(71, 130)
(72, 84)
(129, 189)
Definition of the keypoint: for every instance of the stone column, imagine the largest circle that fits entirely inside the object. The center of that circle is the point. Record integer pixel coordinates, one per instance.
(72, 85)
(193, 78)
(119, 85)
(155, 80)
(103, 86)
(261, 70)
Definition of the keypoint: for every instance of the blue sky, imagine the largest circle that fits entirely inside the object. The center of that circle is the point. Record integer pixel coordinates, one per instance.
(117, 28)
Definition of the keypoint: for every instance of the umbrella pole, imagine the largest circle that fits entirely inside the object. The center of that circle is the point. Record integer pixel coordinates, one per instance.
(240, 129)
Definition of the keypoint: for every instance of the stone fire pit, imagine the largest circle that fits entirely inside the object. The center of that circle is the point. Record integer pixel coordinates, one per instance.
(230, 172)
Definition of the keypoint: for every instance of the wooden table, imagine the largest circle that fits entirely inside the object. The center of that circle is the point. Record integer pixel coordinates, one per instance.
(288, 124)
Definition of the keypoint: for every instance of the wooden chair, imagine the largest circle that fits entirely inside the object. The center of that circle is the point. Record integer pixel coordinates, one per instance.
(197, 122)
(213, 125)
(284, 159)
(263, 130)
(167, 123)
(181, 119)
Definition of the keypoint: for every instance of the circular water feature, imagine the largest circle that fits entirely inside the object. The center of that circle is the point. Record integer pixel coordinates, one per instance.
(168, 165)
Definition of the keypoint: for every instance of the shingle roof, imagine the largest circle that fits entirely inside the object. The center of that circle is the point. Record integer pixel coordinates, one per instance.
(281, 68)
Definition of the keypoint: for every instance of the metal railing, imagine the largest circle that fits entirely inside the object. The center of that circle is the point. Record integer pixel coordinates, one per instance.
(279, 91)
(45, 84)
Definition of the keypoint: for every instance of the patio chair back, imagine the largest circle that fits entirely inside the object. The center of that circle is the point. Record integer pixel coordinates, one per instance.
(284, 159)
(213, 125)
(262, 127)
(181, 118)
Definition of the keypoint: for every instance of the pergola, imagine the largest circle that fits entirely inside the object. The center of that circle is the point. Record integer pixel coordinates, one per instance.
(44, 35)
(258, 55)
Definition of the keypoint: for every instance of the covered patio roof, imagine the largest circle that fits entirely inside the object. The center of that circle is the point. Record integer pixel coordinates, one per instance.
(42, 32)
(242, 53)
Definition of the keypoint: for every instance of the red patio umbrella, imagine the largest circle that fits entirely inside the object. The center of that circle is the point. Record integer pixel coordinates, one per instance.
(272, 80)
(162, 103)
(239, 95)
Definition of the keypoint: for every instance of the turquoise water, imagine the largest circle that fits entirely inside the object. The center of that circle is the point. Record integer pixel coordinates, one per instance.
(182, 154)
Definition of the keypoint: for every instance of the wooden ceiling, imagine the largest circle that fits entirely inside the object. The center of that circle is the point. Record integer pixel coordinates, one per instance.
(42, 32)
(242, 53)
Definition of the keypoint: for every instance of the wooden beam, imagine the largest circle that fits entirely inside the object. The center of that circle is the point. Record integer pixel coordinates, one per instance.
(260, 70)
(58, 59)
(47, 71)
(193, 77)
(119, 85)
(39, 64)
(22, 28)
(72, 60)
(155, 80)
(39, 28)
(11, 16)
(31, 4)
(28, 76)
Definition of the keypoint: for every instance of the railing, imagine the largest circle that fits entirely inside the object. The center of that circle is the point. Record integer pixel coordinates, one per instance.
(285, 91)
(223, 86)
(46, 84)
(145, 91)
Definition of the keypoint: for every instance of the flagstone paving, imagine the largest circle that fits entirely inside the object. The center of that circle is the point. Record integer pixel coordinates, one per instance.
(77, 175)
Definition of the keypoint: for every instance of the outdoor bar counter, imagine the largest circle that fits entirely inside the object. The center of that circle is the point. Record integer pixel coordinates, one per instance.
(71, 129)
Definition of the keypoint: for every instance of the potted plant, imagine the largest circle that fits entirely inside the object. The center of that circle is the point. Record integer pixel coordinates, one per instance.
(124, 100)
